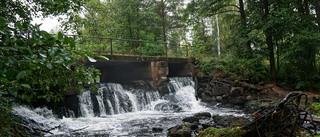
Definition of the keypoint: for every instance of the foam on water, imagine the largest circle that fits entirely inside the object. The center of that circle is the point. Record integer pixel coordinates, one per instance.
(130, 113)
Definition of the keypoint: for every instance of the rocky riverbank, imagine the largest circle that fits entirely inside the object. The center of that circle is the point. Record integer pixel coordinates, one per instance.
(254, 99)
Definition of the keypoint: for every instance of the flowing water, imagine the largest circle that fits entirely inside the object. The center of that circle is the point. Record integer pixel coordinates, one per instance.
(123, 112)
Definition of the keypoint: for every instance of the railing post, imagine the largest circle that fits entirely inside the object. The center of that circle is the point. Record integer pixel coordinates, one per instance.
(166, 46)
(187, 50)
(140, 48)
(111, 46)
(74, 38)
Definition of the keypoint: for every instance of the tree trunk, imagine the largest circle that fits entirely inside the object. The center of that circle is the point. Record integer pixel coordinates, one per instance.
(317, 5)
(244, 25)
(268, 33)
(218, 35)
(306, 7)
(163, 22)
(242, 13)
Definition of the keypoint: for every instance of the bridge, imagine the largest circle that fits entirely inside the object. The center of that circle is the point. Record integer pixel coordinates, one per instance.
(131, 64)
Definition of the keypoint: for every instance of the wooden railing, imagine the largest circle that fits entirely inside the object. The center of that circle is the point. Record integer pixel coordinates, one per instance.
(141, 42)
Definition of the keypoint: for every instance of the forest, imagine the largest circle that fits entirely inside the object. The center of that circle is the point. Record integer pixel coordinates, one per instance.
(252, 40)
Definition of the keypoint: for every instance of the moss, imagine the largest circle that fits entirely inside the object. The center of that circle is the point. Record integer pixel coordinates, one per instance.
(222, 132)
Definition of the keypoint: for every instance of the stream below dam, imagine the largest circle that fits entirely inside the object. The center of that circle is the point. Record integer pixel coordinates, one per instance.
(124, 112)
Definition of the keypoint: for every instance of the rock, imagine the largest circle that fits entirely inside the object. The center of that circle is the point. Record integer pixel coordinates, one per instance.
(72, 103)
(231, 83)
(229, 121)
(236, 91)
(200, 90)
(206, 98)
(191, 119)
(196, 117)
(180, 131)
(203, 115)
(157, 130)
(219, 98)
(207, 93)
(237, 100)
(219, 91)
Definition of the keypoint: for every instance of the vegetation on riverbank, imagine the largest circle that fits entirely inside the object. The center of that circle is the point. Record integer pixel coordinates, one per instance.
(262, 40)
(248, 40)
(221, 132)
(36, 67)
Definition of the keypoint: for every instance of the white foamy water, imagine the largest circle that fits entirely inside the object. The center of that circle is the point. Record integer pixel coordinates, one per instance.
(126, 113)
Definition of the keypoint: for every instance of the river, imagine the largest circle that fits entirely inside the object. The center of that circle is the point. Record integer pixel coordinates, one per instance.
(126, 112)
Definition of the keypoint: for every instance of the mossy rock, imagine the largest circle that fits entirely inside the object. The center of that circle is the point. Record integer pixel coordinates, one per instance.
(222, 132)
(184, 130)
(229, 121)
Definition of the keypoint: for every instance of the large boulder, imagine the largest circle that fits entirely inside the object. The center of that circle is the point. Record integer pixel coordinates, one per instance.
(229, 121)
(206, 98)
(237, 100)
(180, 131)
(219, 91)
(236, 91)
(197, 117)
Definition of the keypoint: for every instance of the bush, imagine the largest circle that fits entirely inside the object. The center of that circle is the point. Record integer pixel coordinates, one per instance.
(249, 69)
(253, 69)
(40, 66)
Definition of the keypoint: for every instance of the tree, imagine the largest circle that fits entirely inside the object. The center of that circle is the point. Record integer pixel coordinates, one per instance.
(35, 65)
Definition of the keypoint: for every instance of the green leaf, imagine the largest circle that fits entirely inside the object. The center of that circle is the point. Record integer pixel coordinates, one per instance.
(2, 65)
(25, 85)
(49, 66)
(60, 36)
(18, 25)
(43, 55)
(66, 40)
(2, 92)
(102, 57)
(11, 73)
(71, 62)
(13, 61)
(21, 74)
(34, 35)
(4, 80)
(2, 21)
(72, 43)
(91, 59)
(13, 91)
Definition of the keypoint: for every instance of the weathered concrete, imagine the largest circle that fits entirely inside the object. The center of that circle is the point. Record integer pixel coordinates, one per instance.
(159, 72)
(124, 69)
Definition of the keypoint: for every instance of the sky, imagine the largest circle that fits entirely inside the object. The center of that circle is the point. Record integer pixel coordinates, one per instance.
(47, 24)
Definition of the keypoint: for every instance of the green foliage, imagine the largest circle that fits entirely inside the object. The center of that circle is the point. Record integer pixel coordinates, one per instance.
(253, 69)
(129, 19)
(153, 50)
(248, 69)
(39, 67)
(222, 132)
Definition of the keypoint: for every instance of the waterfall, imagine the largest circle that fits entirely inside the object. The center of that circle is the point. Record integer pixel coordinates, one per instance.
(115, 111)
(86, 106)
(101, 104)
(112, 98)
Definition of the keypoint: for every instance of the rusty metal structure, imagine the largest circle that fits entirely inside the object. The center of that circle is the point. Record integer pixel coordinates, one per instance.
(140, 43)
(284, 119)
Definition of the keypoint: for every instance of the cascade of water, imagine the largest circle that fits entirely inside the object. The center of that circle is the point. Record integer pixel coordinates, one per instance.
(113, 99)
(150, 110)
(86, 106)
(101, 104)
